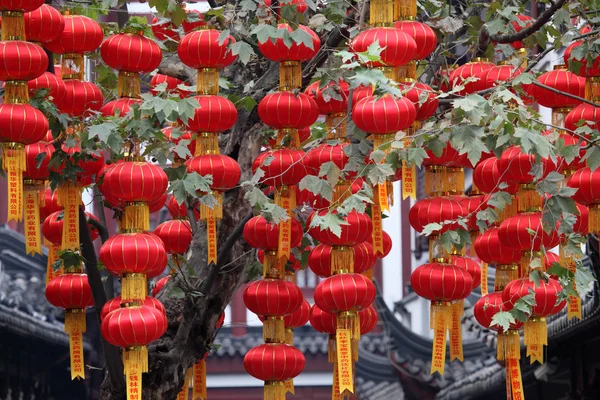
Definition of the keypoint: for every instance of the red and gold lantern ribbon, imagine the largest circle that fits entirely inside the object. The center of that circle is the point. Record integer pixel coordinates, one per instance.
(135, 362)
(344, 362)
(409, 177)
(211, 234)
(69, 197)
(33, 243)
(513, 375)
(456, 347)
(183, 394)
(75, 326)
(199, 391)
(377, 226)
(484, 278)
(14, 163)
(440, 319)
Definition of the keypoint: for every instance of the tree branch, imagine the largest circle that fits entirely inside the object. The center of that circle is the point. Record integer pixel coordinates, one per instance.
(566, 94)
(485, 37)
(112, 358)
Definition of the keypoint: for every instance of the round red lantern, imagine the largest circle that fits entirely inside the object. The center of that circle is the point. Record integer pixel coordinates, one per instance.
(224, 170)
(436, 210)
(288, 110)
(518, 165)
(524, 232)
(387, 245)
(324, 153)
(580, 66)
(441, 282)
(48, 203)
(415, 93)
(523, 21)
(43, 24)
(562, 80)
(53, 84)
(489, 305)
(423, 36)
(487, 176)
(299, 317)
(135, 181)
(586, 182)
(490, 250)
(214, 114)
(357, 229)
(179, 211)
(52, 227)
(368, 320)
(80, 35)
(119, 107)
(274, 364)
(115, 303)
(261, 234)
(132, 327)
(585, 115)
(327, 97)
(176, 235)
(398, 47)
(81, 98)
(344, 292)
(70, 291)
(319, 259)
(384, 115)
(172, 85)
(21, 61)
(20, 5)
(280, 51)
(469, 70)
(203, 49)
(134, 253)
(322, 321)
(281, 166)
(32, 154)
(131, 53)
(471, 267)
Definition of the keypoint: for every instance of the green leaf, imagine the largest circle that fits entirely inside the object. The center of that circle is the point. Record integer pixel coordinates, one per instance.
(503, 319)
(317, 186)
(431, 228)
(549, 185)
(331, 172)
(301, 37)
(415, 156)
(328, 222)
(500, 200)
(243, 50)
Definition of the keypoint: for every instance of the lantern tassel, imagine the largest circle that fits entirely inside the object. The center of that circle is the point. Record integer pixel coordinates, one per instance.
(207, 212)
(16, 92)
(592, 87)
(331, 350)
(407, 72)
(273, 330)
(14, 163)
(128, 85)
(69, 197)
(594, 218)
(134, 287)
(72, 66)
(290, 75)
(207, 81)
(135, 361)
(272, 266)
(382, 12)
(136, 217)
(369, 273)
(529, 198)
(536, 337)
(509, 345)
(207, 143)
(342, 259)
(13, 25)
(526, 258)
(75, 326)
(199, 391)
(509, 210)
(405, 9)
(456, 346)
(435, 180)
(505, 274)
(349, 320)
(455, 183)
(336, 125)
(289, 336)
(33, 243)
(274, 390)
(341, 192)
(344, 362)
(441, 314)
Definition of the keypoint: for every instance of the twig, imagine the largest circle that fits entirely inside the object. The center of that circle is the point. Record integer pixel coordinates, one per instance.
(566, 94)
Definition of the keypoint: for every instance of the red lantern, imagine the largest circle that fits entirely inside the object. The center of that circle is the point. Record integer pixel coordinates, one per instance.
(442, 283)
(295, 320)
(179, 211)
(133, 328)
(215, 114)
(131, 53)
(436, 210)
(261, 234)
(415, 93)
(52, 227)
(468, 70)
(73, 293)
(580, 66)
(279, 51)
(584, 114)
(546, 304)
(344, 293)
(424, 37)
(80, 35)
(518, 165)
(384, 115)
(133, 256)
(20, 5)
(524, 21)
(357, 229)
(165, 30)
(284, 167)
(319, 259)
(471, 267)
(368, 320)
(224, 170)
(21, 61)
(490, 250)
(398, 47)
(172, 85)
(487, 176)
(586, 182)
(48, 203)
(32, 154)
(115, 303)
(53, 84)
(119, 107)
(203, 49)
(562, 80)
(324, 153)
(176, 235)
(43, 24)
(81, 98)
(387, 245)
(322, 321)
(326, 97)
(283, 110)
(274, 364)
(273, 299)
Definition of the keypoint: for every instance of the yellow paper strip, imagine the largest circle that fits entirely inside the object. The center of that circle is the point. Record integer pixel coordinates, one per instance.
(456, 347)
(76, 353)
(199, 392)
(211, 233)
(344, 361)
(377, 234)
(33, 243)
(409, 177)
